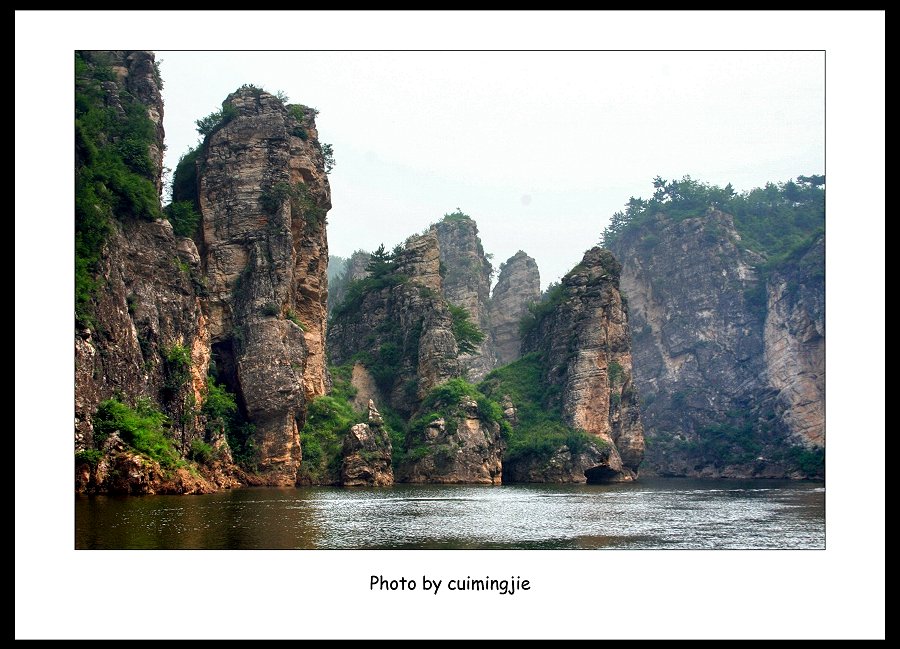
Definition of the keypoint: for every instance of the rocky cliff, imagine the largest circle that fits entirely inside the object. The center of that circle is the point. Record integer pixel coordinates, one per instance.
(580, 334)
(398, 325)
(467, 284)
(153, 309)
(140, 330)
(794, 339)
(263, 197)
(518, 286)
(728, 353)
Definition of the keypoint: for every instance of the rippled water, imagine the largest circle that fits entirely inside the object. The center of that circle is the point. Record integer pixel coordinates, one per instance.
(653, 513)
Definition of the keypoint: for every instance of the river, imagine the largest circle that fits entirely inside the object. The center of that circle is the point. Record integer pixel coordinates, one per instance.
(652, 513)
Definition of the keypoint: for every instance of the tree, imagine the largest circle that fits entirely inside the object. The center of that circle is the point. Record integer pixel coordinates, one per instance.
(468, 336)
(381, 262)
(815, 181)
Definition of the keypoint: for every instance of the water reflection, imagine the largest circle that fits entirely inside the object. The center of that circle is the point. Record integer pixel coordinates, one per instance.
(662, 513)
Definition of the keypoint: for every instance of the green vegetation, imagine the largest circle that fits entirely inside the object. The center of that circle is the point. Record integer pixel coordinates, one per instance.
(540, 430)
(328, 420)
(114, 176)
(551, 298)
(219, 408)
(290, 315)
(328, 156)
(221, 412)
(773, 220)
(184, 179)
(208, 125)
(184, 218)
(201, 452)
(89, 456)
(616, 373)
(143, 427)
(468, 336)
(382, 269)
(731, 442)
(457, 215)
(809, 461)
(177, 369)
(302, 204)
(443, 403)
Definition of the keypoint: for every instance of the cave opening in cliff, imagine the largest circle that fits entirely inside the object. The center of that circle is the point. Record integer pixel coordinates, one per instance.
(600, 475)
(223, 369)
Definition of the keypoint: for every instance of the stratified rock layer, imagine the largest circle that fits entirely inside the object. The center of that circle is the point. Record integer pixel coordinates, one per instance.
(794, 337)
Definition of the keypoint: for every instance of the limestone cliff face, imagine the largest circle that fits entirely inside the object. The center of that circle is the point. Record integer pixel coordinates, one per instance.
(467, 283)
(146, 310)
(584, 342)
(263, 196)
(518, 286)
(463, 449)
(402, 326)
(794, 337)
(711, 360)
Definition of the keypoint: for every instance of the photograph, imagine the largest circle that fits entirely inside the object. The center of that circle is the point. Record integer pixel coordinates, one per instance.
(449, 299)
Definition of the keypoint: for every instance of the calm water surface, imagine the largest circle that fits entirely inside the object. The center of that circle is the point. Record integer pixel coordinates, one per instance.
(654, 513)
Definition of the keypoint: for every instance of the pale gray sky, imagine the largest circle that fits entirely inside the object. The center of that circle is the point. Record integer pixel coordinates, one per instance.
(539, 147)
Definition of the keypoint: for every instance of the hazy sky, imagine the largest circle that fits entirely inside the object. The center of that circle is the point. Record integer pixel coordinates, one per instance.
(539, 147)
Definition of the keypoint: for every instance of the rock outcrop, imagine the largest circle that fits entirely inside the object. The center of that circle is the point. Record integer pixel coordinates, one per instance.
(401, 324)
(462, 449)
(582, 336)
(149, 304)
(726, 380)
(121, 470)
(263, 197)
(518, 286)
(366, 454)
(564, 467)
(467, 284)
(248, 290)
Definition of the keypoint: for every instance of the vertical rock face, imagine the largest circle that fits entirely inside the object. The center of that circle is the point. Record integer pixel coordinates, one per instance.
(263, 197)
(724, 379)
(584, 341)
(795, 344)
(366, 452)
(402, 325)
(148, 304)
(459, 450)
(518, 286)
(467, 283)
